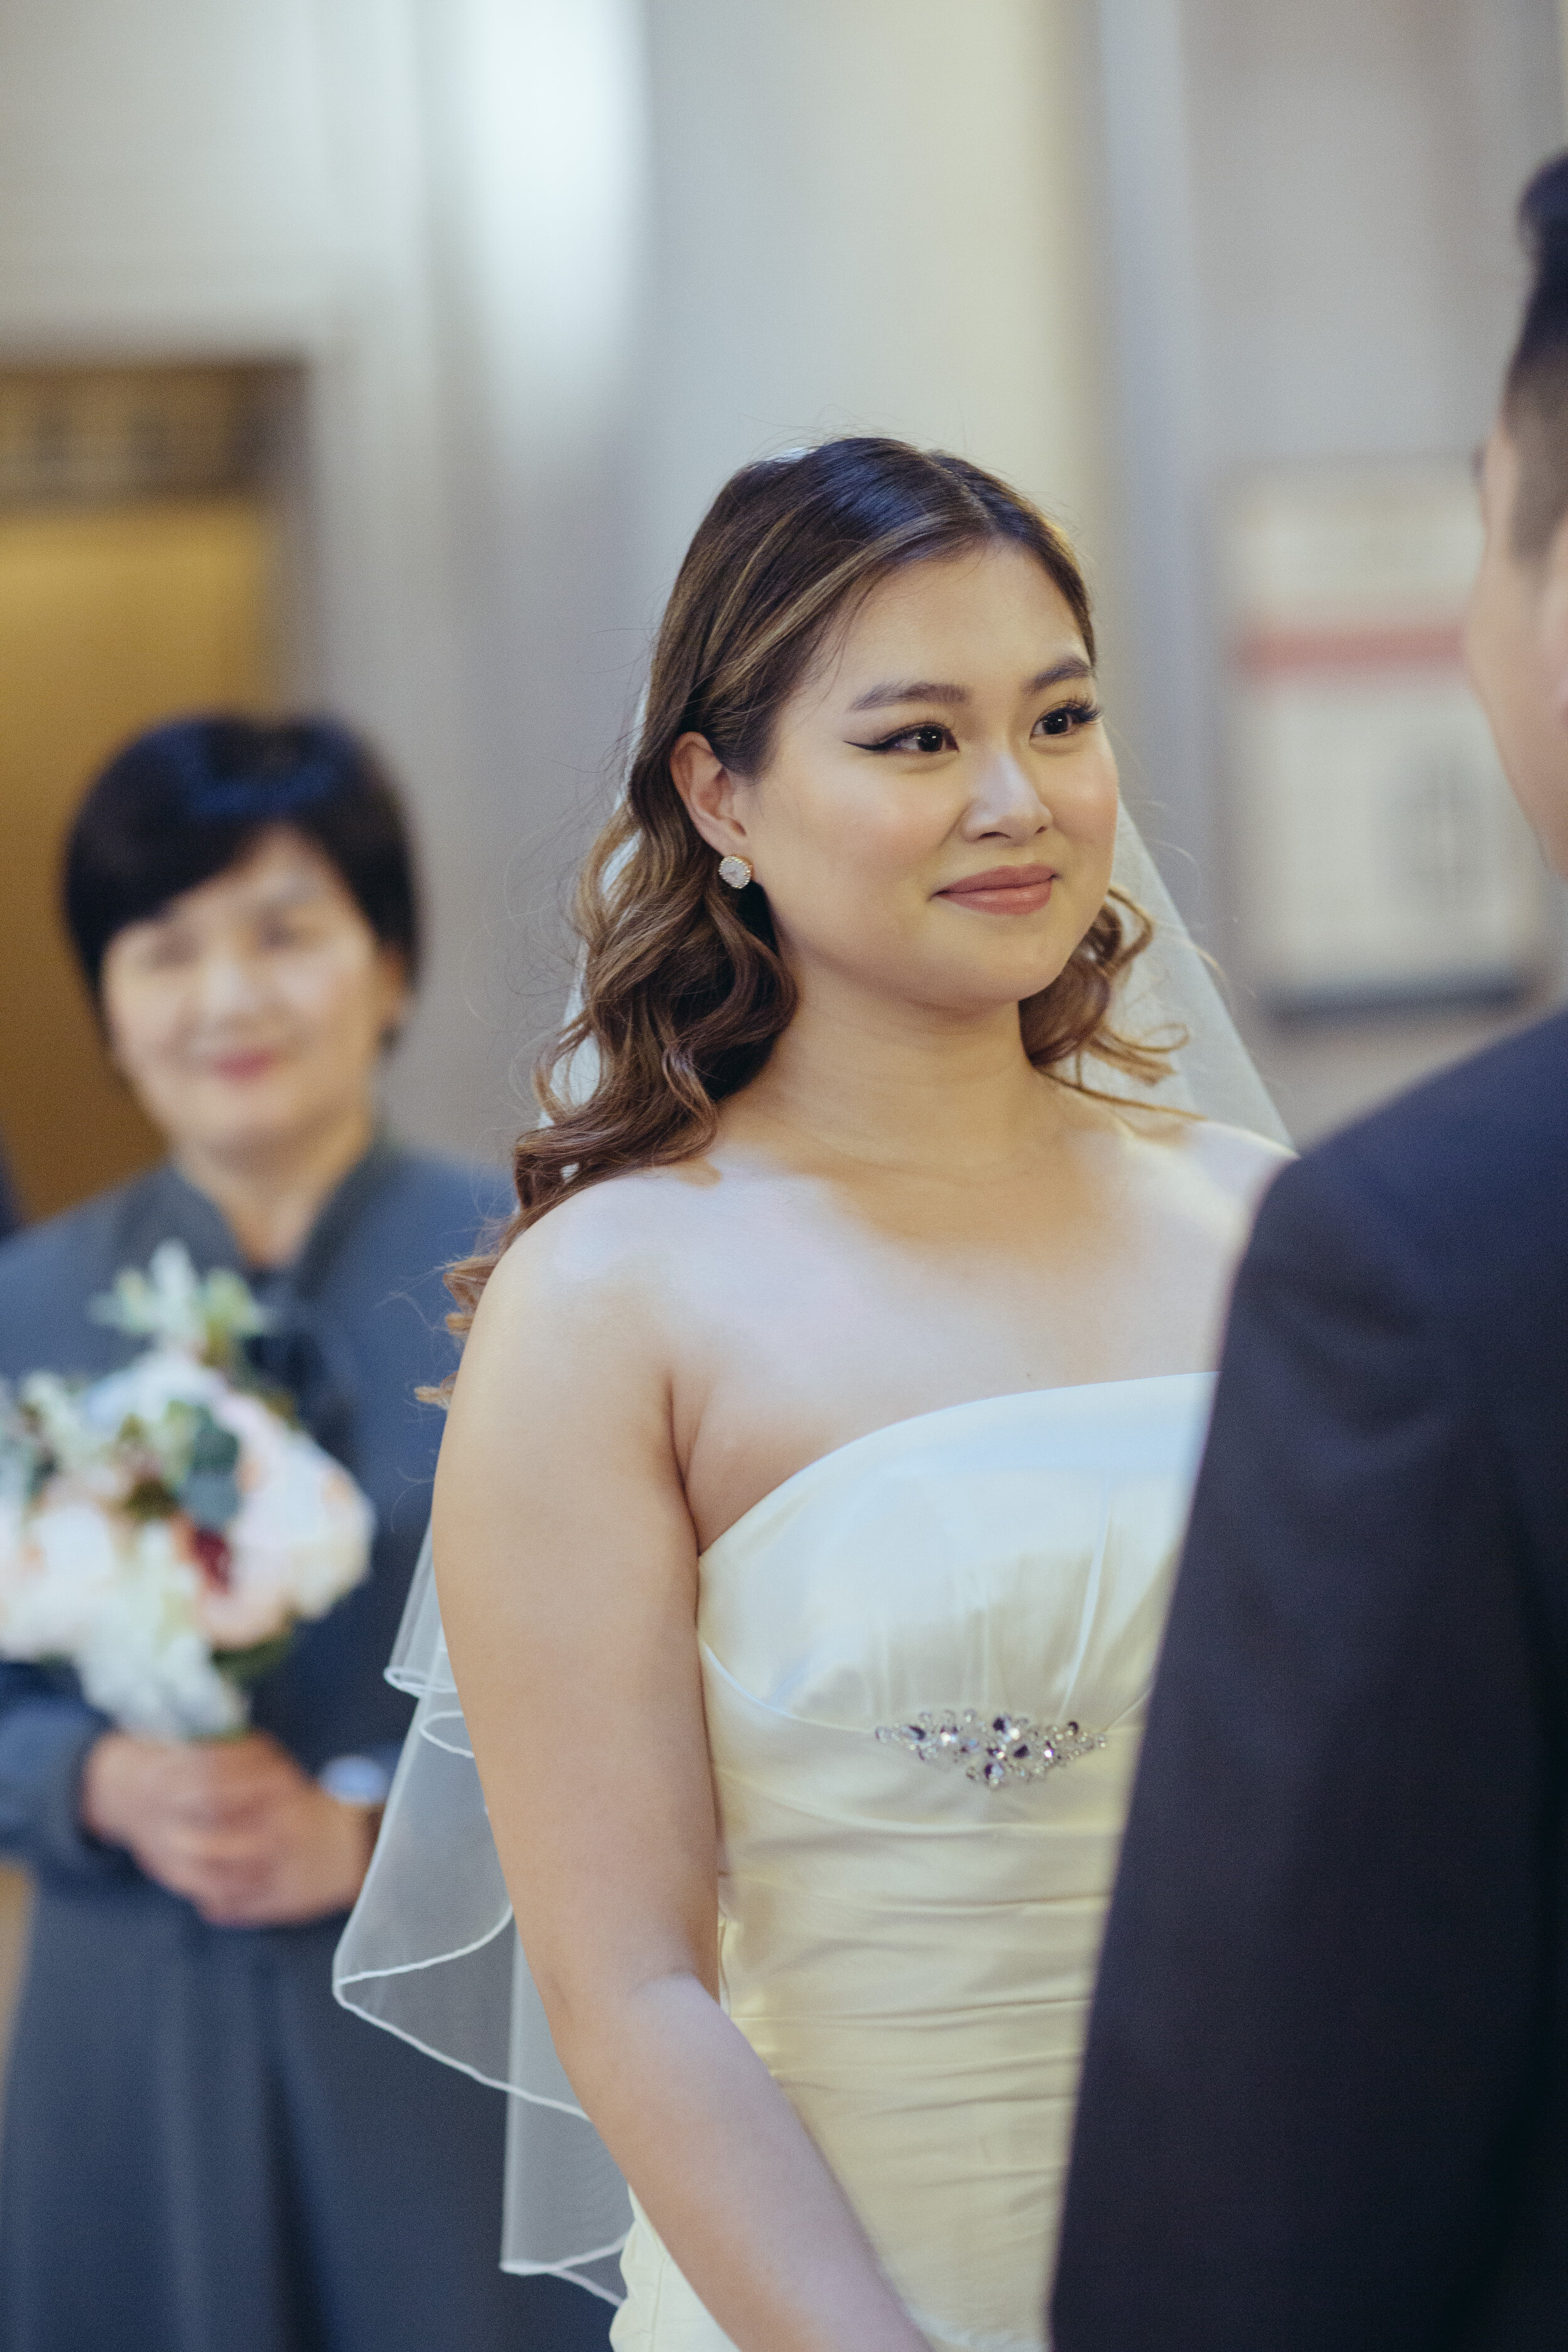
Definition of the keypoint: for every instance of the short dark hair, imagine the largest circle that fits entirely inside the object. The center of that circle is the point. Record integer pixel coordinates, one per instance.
(1535, 391)
(188, 800)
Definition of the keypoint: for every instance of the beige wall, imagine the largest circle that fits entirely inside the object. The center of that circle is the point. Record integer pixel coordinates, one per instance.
(873, 217)
(556, 266)
(1314, 260)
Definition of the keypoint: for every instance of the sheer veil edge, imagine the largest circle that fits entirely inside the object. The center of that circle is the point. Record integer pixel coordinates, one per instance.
(431, 1952)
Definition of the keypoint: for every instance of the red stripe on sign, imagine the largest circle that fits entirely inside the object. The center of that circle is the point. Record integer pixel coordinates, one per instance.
(1427, 645)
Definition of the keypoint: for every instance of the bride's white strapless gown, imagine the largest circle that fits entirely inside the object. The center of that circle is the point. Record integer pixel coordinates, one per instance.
(910, 1907)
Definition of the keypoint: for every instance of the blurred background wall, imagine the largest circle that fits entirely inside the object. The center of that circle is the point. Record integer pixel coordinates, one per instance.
(1312, 269)
(504, 288)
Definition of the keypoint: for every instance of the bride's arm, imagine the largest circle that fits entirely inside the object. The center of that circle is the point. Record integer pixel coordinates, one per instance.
(567, 1569)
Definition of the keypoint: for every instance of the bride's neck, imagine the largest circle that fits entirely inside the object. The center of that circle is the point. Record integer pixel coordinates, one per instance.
(901, 1087)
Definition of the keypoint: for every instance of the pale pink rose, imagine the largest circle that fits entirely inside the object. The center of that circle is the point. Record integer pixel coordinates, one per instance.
(53, 1581)
(144, 1660)
(301, 1539)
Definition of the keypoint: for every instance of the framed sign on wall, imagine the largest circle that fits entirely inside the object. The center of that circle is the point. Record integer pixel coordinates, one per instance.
(1381, 860)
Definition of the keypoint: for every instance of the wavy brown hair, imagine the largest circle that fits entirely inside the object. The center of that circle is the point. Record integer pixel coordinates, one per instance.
(683, 989)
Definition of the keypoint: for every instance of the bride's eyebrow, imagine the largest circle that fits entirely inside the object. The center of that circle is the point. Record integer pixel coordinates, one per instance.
(909, 690)
(925, 689)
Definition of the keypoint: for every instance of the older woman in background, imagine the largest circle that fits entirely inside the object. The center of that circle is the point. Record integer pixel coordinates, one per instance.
(202, 2153)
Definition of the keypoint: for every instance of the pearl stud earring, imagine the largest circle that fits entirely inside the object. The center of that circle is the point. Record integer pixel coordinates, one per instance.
(736, 871)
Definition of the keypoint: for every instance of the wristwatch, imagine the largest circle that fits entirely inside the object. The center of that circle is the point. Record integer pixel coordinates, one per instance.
(355, 1780)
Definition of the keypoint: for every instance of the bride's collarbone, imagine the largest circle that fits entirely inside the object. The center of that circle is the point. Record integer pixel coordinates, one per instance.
(783, 1354)
(1105, 1169)
(977, 1250)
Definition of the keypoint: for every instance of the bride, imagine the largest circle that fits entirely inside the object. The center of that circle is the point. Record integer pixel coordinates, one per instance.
(819, 1455)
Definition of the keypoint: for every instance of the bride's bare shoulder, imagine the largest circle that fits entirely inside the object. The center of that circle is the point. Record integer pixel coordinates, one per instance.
(568, 1366)
(1239, 1163)
(610, 1248)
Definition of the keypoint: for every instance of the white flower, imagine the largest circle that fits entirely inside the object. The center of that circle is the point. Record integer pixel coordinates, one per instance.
(70, 1438)
(145, 1661)
(152, 1382)
(55, 1570)
(301, 1539)
(174, 1307)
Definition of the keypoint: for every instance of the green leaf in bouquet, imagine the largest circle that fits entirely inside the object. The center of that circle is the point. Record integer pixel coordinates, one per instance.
(280, 1403)
(243, 1667)
(209, 1489)
(49, 1419)
(26, 1460)
(210, 1497)
(180, 1438)
(155, 1452)
(232, 1314)
(135, 1436)
(210, 1316)
(182, 1460)
(213, 1447)
(149, 1497)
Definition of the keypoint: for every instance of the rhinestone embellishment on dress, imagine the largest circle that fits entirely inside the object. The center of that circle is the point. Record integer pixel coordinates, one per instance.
(993, 1749)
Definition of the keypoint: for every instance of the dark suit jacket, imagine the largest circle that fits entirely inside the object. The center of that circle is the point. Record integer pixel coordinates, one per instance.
(1325, 2101)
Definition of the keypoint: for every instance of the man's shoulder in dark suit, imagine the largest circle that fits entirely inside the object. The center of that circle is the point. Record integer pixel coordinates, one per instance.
(1490, 1133)
(1325, 2097)
(1451, 1206)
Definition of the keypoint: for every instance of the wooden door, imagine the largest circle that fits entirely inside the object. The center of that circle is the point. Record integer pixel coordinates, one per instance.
(110, 619)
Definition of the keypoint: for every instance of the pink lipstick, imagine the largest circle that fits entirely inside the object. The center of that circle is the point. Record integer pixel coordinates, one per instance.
(237, 1068)
(1003, 889)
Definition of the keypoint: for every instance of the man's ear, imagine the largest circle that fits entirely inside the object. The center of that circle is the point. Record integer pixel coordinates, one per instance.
(708, 789)
(1552, 620)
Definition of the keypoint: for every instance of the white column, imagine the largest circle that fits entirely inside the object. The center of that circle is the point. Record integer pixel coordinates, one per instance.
(1160, 519)
(872, 217)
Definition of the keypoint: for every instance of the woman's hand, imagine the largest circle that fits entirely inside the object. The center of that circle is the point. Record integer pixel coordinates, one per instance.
(233, 1825)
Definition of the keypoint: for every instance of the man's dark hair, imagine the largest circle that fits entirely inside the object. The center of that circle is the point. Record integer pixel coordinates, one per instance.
(1535, 391)
(189, 800)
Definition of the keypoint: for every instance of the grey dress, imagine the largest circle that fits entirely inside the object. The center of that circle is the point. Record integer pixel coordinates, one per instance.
(202, 2152)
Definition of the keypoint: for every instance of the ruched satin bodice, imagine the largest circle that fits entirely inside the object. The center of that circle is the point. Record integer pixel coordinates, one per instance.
(911, 1950)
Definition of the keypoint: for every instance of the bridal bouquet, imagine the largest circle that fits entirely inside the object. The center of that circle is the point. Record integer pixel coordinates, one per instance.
(162, 1531)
